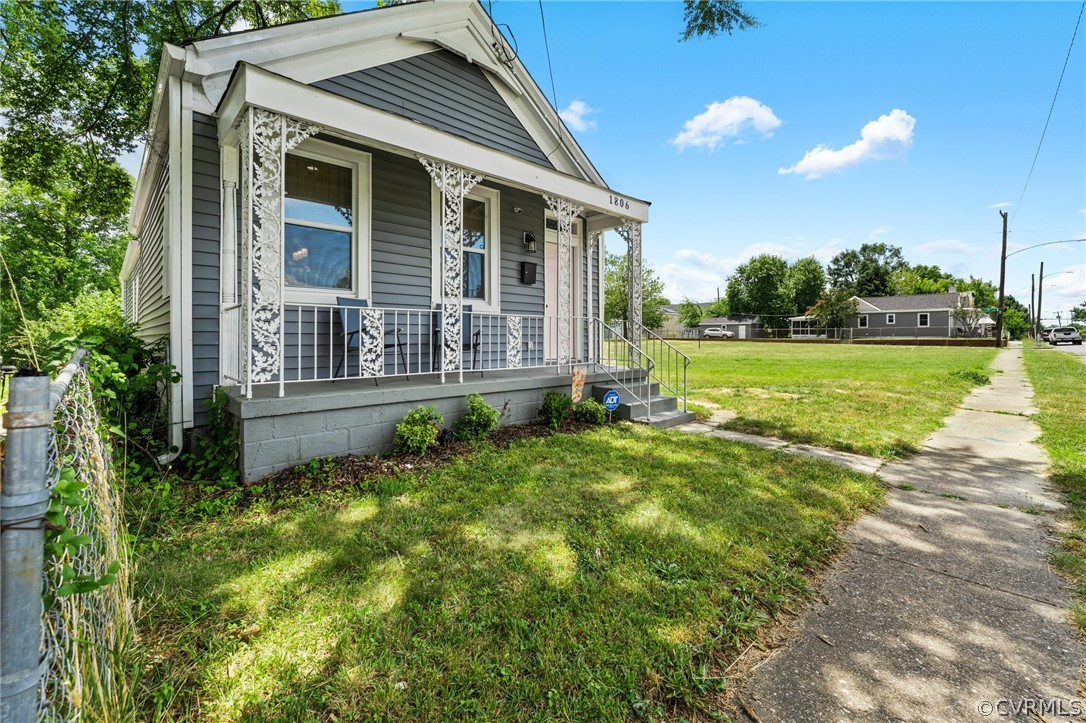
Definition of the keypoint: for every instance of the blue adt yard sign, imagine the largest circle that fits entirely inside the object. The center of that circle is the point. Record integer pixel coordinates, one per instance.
(610, 400)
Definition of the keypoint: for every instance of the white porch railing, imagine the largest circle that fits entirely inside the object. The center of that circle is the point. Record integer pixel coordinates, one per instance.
(322, 342)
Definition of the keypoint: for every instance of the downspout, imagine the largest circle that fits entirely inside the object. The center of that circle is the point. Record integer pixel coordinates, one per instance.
(172, 228)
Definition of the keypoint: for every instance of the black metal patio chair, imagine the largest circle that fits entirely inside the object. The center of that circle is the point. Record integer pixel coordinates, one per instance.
(353, 323)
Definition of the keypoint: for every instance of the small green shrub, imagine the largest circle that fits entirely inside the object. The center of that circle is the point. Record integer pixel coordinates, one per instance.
(590, 411)
(417, 432)
(972, 375)
(555, 409)
(480, 420)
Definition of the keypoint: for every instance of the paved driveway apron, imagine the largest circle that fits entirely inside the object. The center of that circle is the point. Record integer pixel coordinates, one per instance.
(943, 605)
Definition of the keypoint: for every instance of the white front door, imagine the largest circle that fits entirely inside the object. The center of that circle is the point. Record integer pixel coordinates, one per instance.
(550, 288)
(742, 331)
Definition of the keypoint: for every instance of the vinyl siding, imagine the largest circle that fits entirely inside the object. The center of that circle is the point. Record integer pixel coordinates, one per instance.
(400, 273)
(905, 325)
(444, 91)
(205, 263)
(148, 281)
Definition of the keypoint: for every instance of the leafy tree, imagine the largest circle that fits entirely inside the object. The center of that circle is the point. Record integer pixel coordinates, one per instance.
(922, 279)
(709, 18)
(1015, 323)
(835, 310)
(615, 296)
(807, 283)
(53, 252)
(1009, 302)
(968, 317)
(868, 271)
(717, 309)
(760, 286)
(1078, 314)
(690, 313)
(984, 292)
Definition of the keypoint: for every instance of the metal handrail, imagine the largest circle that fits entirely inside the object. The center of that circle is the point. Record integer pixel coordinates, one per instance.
(669, 379)
(636, 379)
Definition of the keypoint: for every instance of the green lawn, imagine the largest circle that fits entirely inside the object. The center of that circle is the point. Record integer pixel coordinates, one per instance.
(875, 400)
(597, 576)
(1059, 392)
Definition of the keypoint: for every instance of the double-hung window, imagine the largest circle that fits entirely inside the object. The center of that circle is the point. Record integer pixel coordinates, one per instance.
(923, 319)
(863, 321)
(325, 222)
(480, 270)
(891, 319)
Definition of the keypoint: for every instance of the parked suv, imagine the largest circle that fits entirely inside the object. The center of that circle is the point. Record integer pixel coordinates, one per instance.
(1065, 333)
(716, 332)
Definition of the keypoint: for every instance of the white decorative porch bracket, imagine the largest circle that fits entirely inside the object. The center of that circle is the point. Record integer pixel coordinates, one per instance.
(265, 139)
(512, 342)
(631, 231)
(454, 183)
(564, 211)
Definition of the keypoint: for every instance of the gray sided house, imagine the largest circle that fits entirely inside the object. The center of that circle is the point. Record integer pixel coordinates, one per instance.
(339, 219)
(919, 315)
(744, 326)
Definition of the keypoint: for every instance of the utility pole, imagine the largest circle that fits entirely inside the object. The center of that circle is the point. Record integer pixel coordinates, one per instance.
(1040, 291)
(1032, 281)
(1002, 280)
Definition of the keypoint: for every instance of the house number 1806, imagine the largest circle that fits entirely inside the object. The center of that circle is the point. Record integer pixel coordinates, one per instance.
(619, 202)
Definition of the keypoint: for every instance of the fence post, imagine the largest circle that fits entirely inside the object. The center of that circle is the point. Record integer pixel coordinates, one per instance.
(24, 500)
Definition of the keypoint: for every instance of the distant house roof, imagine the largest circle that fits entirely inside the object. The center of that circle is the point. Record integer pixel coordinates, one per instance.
(914, 302)
(731, 319)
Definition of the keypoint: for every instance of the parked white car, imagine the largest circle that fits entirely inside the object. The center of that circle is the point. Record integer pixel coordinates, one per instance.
(1067, 334)
(715, 332)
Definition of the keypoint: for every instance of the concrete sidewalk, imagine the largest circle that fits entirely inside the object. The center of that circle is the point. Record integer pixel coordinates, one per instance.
(942, 603)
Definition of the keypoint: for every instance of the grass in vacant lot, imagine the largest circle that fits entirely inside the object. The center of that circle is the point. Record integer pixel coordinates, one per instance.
(1059, 392)
(880, 401)
(579, 577)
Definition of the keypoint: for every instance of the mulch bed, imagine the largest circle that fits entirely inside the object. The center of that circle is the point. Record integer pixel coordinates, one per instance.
(360, 471)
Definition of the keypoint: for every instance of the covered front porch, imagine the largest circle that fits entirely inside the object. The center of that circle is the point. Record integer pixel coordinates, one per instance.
(274, 335)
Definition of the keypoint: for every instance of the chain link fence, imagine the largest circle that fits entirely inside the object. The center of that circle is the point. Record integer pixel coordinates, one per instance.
(73, 641)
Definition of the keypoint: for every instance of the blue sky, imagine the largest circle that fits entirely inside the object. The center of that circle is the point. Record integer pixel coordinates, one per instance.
(965, 88)
(907, 123)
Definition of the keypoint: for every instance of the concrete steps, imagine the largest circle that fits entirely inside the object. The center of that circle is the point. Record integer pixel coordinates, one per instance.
(664, 408)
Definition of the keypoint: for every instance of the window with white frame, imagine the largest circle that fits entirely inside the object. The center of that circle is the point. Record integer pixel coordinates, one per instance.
(325, 222)
(863, 321)
(923, 319)
(891, 319)
(480, 277)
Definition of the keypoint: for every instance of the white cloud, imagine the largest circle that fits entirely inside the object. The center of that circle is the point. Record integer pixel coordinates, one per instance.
(947, 247)
(888, 136)
(1064, 290)
(576, 115)
(1001, 204)
(726, 119)
(878, 232)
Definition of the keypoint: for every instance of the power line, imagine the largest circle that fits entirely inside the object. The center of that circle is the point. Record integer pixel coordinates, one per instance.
(547, 45)
(1050, 109)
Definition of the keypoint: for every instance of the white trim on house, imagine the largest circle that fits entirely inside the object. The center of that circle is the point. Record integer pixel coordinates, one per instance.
(860, 303)
(253, 86)
(927, 319)
(184, 256)
(492, 197)
(361, 165)
(891, 318)
(861, 321)
(326, 47)
(172, 235)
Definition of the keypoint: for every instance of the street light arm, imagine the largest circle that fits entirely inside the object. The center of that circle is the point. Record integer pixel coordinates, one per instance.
(1047, 243)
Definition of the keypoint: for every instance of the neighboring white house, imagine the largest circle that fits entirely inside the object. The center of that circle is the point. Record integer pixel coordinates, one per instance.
(384, 194)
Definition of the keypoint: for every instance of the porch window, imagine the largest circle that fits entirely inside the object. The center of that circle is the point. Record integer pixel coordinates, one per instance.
(322, 236)
(479, 249)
